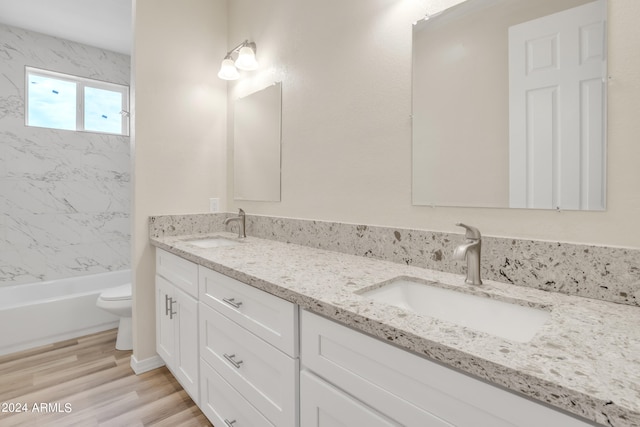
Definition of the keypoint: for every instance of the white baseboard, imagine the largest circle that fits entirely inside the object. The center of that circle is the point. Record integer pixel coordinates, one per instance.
(142, 366)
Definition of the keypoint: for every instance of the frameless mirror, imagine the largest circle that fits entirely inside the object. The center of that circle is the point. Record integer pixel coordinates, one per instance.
(509, 105)
(256, 145)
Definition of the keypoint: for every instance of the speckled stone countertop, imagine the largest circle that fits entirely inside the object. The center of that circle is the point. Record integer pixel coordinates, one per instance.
(585, 359)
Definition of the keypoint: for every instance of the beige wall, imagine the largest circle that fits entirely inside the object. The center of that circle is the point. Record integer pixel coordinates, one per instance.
(345, 69)
(179, 129)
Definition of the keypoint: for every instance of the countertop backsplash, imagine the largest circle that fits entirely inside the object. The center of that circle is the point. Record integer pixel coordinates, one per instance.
(599, 272)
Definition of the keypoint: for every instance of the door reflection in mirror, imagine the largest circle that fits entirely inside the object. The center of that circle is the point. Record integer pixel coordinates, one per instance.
(509, 116)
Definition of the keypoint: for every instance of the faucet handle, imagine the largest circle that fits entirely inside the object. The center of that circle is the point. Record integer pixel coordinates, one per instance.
(472, 232)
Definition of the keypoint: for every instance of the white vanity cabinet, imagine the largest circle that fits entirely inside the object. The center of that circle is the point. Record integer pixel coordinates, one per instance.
(349, 378)
(177, 319)
(250, 358)
(248, 349)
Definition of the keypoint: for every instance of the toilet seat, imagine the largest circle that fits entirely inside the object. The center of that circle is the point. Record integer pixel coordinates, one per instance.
(119, 293)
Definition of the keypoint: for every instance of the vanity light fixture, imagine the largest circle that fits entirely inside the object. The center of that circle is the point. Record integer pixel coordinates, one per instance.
(245, 61)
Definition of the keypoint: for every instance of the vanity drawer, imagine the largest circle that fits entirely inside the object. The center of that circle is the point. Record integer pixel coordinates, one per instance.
(264, 375)
(322, 405)
(269, 317)
(179, 271)
(223, 405)
(411, 389)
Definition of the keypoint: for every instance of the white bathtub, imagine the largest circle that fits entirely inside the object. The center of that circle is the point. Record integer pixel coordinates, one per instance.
(46, 312)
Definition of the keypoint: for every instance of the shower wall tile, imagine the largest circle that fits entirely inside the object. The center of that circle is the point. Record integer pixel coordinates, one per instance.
(22, 266)
(21, 196)
(88, 258)
(106, 226)
(64, 196)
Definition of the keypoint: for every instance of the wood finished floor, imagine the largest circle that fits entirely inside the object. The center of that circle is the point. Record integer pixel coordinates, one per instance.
(96, 381)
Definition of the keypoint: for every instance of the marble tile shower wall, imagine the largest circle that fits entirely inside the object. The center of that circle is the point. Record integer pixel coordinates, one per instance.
(605, 273)
(64, 196)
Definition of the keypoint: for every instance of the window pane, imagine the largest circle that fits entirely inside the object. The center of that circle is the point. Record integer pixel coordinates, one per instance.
(52, 103)
(102, 110)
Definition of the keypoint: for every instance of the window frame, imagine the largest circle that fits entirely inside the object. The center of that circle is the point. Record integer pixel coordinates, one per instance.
(81, 84)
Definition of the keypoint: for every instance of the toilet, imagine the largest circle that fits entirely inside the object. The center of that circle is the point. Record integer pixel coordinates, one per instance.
(118, 301)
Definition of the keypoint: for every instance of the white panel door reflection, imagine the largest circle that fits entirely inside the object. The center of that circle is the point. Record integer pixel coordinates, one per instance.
(557, 74)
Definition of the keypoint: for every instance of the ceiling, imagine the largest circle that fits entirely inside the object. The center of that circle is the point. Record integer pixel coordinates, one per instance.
(101, 23)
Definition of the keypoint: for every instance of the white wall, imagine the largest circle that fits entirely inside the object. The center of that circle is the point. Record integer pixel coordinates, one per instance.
(180, 123)
(64, 195)
(345, 69)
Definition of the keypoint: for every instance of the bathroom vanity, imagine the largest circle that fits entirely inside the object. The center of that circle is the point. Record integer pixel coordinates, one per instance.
(281, 335)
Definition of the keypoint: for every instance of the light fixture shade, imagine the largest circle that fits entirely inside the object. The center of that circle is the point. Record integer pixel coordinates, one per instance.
(228, 70)
(247, 59)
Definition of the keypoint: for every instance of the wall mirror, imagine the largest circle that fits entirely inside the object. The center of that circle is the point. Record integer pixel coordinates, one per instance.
(509, 105)
(256, 145)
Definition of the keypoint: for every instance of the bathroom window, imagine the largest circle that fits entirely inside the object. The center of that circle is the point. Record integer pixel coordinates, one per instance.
(62, 101)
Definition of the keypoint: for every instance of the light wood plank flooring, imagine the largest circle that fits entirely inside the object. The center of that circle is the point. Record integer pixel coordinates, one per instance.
(97, 385)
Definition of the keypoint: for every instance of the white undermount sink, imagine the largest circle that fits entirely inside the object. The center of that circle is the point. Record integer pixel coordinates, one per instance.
(213, 242)
(500, 318)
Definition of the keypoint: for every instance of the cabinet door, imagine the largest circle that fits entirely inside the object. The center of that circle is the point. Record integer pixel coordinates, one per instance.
(165, 336)
(186, 340)
(322, 405)
(410, 389)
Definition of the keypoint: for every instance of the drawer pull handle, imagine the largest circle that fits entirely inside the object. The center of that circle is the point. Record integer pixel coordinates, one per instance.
(171, 312)
(166, 305)
(232, 360)
(229, 423)
(232, 302)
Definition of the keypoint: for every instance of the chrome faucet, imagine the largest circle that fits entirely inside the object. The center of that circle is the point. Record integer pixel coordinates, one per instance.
(241, 223)
(470, 250)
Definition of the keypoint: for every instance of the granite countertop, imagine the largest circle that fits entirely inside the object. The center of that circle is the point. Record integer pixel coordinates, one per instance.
(585, 359)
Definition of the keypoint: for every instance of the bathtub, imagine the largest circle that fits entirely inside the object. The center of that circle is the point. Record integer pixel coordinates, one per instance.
(41, 313)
